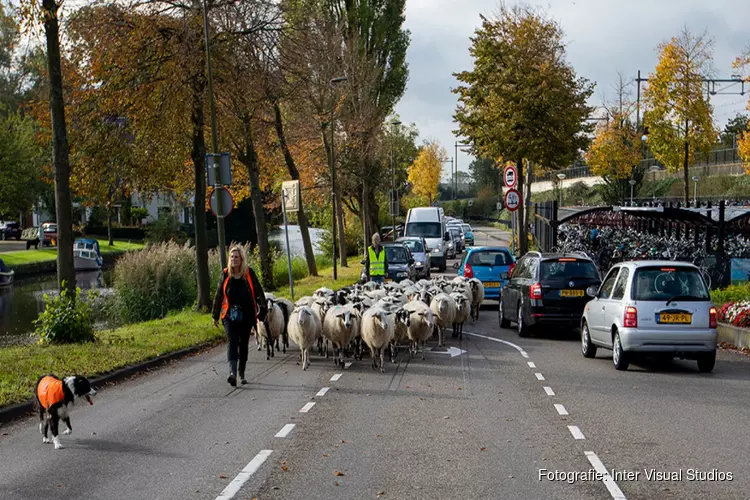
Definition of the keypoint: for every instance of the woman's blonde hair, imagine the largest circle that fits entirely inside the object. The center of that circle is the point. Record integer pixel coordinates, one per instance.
(243, 258)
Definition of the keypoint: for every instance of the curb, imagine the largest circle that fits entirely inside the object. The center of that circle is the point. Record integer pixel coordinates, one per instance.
(491, 236)
(16, 411)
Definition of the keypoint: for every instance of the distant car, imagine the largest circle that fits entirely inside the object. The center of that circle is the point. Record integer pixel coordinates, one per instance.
(455, 240)
(468, 234)
(549, 289)
(400, 262)
(651, 307)
(10, 230)
(490, 265)
(418, 249)
(49, 234)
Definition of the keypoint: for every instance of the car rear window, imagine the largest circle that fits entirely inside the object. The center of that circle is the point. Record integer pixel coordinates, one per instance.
(414, 245)
(569, 268)
(465, 228)
(664, 283)
(490, 258)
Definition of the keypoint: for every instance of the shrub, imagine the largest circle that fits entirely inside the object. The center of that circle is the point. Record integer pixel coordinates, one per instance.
(65, 319)
(732, 293)
(352, 239)
(154, 281)
(166, 228)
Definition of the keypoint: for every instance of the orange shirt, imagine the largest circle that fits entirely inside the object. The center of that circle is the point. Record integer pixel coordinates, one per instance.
(50, 391)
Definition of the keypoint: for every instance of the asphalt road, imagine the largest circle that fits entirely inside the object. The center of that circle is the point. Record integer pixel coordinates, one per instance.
(477, 421)
(12, 245)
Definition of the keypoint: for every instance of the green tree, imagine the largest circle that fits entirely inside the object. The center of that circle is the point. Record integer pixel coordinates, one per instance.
(679, 117)
(485, 172)
(734, 130)
(20, 157)
(522, 100)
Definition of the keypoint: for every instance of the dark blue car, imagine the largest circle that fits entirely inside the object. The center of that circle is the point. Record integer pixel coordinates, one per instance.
(490, 265)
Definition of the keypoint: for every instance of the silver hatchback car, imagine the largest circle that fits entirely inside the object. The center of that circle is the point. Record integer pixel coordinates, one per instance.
(651, 307)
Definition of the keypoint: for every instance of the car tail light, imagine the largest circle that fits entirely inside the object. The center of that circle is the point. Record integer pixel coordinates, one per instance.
(468, 271)
(631, 317)
(510, 269)
(535, 292)
(712, 319)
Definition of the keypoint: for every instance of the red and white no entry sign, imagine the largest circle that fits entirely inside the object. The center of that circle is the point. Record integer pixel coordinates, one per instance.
(510, 176)
(512, 200)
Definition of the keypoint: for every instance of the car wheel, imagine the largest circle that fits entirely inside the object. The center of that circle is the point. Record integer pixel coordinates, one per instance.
(706, 361)
(442, 267)
(504, 322)
(587, 348)
(619, 357)
(523, 330)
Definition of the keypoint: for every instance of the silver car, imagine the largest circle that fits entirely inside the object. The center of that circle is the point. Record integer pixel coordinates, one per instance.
(651, 307)
(418, 249)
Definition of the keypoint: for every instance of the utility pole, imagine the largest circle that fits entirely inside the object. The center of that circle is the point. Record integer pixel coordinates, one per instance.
(215, 146)
(454, 187)
(394, 202)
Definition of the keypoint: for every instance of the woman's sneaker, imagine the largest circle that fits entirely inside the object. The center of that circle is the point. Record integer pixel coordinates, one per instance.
(232, 380)
(243, 381)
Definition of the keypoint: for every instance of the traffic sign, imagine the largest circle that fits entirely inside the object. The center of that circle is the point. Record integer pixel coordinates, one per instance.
(227, 202)
(510, 175)
(219, 164)
(512, 200)
(290, 193)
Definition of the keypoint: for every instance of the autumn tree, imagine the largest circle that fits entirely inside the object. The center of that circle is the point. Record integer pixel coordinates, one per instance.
(522, 101)
(425, 172)
(679, 117)
(21, 160)
(615, 151)
(743, 136)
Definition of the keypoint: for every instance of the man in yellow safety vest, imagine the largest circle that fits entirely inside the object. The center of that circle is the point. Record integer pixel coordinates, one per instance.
(376, 263)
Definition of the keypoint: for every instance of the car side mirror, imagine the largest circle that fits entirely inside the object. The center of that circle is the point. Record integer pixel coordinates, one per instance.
(363, 262)
(456, 265)
(504, 276)
(592, 291)
(447, 236)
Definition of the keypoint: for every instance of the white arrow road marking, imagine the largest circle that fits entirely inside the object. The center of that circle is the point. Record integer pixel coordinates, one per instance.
(453, 351)
(251, 468)
(610, 483)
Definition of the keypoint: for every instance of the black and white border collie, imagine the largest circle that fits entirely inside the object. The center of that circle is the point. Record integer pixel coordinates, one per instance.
(53, 396)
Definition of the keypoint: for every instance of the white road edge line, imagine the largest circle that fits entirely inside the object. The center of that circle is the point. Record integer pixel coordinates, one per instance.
(577, 434)
(561, 409)
(322, 392)
(251, 468)
(284, 432)
(549, 391)
(307, 407)
(610, 483)
(539, 376)
(336, 377)
(514, 346)
(531, 364)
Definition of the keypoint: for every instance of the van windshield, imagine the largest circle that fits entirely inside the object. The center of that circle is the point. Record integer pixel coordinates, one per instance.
(423, 229)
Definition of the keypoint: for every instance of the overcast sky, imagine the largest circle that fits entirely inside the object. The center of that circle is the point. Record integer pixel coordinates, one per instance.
(603, 37)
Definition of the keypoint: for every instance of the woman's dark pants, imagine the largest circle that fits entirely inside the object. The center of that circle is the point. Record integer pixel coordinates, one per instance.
(238, 337)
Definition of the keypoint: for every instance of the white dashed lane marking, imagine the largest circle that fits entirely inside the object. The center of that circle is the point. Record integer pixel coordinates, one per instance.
(549, 391)
(232, 488)
(610, 483)
(307, 407)
(577, 434)
(284, 432)
(561, 409)
(322, 392)
(336, 377)
(347, 365)
(539, 376)
(531, 364)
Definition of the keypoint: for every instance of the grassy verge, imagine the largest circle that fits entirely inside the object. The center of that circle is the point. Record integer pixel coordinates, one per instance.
(23, 257)
(130, 344)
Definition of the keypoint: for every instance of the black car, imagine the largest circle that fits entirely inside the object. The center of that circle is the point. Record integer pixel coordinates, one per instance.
(400, 262)
(10, 230)
(547, 289)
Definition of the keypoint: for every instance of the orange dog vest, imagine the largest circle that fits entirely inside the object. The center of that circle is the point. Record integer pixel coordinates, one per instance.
(50, 391)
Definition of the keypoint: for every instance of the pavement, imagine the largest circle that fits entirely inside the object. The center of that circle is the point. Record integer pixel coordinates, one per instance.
(494, 416)
(12, 245)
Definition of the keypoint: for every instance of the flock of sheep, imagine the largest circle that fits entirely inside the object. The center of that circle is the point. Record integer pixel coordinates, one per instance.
(380, 316)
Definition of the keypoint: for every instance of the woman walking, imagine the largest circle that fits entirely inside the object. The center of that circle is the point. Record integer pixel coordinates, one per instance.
(239, 303)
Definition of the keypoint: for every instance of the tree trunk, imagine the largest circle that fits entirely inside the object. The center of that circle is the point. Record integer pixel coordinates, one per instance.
(527, 198)
(249, 157)
(304, 230)
(63, 203)
(109, 225)
(198, 155)
(686, 173)
(523, 246)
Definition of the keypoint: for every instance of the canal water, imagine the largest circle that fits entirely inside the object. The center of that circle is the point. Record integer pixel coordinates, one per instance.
(21, 303)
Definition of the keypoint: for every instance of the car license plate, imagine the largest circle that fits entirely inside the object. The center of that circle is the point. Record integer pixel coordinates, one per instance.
(674, 318)
(492, 284)
(571, 293)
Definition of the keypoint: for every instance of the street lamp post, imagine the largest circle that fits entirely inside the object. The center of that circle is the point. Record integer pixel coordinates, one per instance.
(561, 176)
(333, 177)
(695, 190)
(632, 185)
(394, 123)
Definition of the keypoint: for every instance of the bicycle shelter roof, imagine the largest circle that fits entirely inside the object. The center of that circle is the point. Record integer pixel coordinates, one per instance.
(695, 216)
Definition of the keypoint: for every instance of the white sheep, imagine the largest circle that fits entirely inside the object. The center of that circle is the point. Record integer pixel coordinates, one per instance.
(421, 325)
(378, 327)
(341, 328)
(304, 329)
(444, 309)
(477, 297)
(463, 307)
(270, 330)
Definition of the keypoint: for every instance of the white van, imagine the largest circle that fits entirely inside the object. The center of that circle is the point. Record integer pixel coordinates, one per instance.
(429, 223)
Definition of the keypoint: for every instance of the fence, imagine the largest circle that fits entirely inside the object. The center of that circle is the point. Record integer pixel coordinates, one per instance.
(545, 225)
